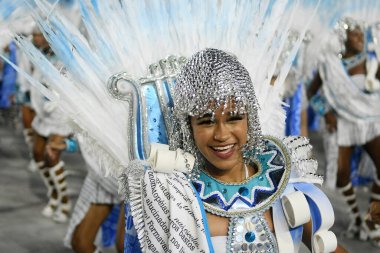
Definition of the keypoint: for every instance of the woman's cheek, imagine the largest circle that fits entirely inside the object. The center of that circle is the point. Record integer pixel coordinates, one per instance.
(202, 134)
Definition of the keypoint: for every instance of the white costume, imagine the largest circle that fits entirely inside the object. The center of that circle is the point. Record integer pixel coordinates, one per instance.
(49, 117)
(96, 189)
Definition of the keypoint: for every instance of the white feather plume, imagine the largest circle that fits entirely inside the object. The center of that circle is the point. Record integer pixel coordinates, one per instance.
(129, 35)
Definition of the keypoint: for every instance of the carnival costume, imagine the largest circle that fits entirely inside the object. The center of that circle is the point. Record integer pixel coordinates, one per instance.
(354, 102)
(353, 98)
(22, 25)
(169, 192)
(244, 203)
(96, 189)
(49, 118)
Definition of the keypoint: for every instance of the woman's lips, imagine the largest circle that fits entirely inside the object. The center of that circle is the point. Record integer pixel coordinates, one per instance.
(223, 152)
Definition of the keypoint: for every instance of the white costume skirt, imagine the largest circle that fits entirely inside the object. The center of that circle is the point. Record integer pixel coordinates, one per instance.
(93, 191)
(356, 133)
(46, 126)
(49, 117)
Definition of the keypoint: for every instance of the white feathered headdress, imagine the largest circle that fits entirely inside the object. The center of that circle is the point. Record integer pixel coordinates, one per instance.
(129, 35)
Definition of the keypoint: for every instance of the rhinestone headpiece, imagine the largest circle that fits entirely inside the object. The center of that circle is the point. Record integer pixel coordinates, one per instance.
(210, 79)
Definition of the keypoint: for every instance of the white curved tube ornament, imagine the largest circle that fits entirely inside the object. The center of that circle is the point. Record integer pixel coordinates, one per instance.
(154, 147)
(166, 161)
(296, 209)
(324, 242)
(371, 83)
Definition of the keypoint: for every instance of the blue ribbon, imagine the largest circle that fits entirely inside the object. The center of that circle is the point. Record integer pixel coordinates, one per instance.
(293, 113)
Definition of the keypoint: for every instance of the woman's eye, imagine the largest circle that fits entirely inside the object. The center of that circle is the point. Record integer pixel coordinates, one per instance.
(236, 118)
(205, 122)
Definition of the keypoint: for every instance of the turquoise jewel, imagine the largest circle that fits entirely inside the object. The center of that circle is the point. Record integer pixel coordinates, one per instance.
(261, 178)
(243, 191)
(208, 184)
(224, 190)
(250, 236)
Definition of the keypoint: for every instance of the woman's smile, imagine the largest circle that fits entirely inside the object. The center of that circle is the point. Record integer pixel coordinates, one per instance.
(224, 152)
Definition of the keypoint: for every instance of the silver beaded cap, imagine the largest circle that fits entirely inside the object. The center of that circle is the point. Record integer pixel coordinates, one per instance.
(345, 25)
(210, 79)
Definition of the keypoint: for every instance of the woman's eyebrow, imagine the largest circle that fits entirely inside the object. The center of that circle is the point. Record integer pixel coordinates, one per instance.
(204, 116)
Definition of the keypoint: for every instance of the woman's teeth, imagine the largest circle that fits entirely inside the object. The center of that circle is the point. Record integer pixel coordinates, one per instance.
(223, 148)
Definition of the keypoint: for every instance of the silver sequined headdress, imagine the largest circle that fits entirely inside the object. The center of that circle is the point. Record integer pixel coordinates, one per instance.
(345, 25)
(212, 78)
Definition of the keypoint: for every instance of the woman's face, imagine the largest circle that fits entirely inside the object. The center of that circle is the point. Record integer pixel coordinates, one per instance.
(355, 41)
(220, 140)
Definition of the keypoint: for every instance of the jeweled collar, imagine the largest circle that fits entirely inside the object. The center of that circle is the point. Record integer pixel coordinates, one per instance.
(355, 60)
(254, 194)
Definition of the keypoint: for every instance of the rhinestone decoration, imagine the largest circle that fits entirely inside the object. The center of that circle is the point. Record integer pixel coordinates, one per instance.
(255, 219)
(263, 237)
(156, 126)
(243, 191)
(239, 229)
(249, 226)
(254, 236)
(212, 78)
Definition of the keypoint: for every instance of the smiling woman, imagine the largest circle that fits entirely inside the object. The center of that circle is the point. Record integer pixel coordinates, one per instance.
(245, 192)
(220, 140)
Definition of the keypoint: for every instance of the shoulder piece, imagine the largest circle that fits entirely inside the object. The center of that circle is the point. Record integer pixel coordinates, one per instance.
(304, 167)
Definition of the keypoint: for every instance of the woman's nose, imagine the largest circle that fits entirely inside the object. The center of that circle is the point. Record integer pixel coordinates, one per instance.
(221, 132)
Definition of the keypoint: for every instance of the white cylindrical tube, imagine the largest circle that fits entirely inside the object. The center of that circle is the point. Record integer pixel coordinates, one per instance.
(296, 209)
(164, 161)
(154, 147)
(324, 242)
